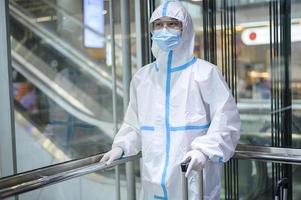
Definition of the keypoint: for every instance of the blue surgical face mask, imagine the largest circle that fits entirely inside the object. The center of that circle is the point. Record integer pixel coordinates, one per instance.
(167, 39)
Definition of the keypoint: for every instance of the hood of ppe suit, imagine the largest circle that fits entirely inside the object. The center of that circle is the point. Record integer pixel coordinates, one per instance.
(183, 52)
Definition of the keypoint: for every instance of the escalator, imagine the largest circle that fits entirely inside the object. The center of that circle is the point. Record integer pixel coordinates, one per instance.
(58, 86)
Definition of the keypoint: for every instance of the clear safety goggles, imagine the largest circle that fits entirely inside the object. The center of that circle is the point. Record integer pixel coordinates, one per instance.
(166, 23)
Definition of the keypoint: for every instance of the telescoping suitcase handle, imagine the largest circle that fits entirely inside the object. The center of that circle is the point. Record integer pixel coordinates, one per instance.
(184, 167)
(281, 190)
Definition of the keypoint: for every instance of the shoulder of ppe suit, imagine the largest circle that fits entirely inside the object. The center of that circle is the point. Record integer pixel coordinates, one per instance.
(140, 73)
(205, 69)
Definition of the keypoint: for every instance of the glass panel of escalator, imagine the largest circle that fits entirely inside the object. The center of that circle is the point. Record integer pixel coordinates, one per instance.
(62, 88)
(63, 22)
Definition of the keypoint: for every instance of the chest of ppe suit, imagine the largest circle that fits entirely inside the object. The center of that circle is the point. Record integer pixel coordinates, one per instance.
(179, 103)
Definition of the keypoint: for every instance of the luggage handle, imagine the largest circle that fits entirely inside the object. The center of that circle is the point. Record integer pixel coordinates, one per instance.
(281, 184)
(184, 167)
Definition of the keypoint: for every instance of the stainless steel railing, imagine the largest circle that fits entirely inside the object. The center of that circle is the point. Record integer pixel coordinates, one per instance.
(273, 154)
(24, 182)
(20, 183)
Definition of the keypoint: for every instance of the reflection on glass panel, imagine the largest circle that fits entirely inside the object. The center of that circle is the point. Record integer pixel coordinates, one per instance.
(256, 180)
(54, 133)
(253, 81)
(296, 75)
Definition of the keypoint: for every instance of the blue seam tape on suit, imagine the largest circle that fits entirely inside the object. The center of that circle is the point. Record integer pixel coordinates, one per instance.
(174, 69)
(178, 128)
(164, 11)
(167, 99)
(168, 128)
(158, 197)
(189, 127)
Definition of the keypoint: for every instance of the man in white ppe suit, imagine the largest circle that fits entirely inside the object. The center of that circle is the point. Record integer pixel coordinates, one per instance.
(180, 109)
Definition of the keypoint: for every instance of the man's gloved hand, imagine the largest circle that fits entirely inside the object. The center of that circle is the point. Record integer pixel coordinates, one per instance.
(197, 161)
(112, 155)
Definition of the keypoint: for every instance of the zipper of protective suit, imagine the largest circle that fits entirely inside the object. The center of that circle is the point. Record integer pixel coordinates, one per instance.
(167, 109)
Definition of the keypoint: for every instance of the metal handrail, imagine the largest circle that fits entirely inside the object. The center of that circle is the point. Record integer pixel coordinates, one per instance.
(24, 182)
(273, 154)
(20, 183)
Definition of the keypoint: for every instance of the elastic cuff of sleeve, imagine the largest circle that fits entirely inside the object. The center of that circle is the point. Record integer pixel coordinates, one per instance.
(217, 159)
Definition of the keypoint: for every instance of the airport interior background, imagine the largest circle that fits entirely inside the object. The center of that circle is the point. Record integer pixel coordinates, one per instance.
(69, 63)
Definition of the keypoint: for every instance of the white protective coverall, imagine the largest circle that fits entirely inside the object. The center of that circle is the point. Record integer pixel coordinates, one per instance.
(179, 103)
